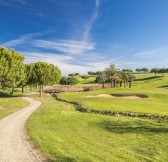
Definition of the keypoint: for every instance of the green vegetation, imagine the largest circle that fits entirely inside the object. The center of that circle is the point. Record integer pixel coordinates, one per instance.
(14, 73)
(71, 80)
(11, 69)
(9, 105)
(64, 134)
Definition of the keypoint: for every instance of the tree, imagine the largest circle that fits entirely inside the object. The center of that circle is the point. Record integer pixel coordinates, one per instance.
(69, 81)
(145, 70)
(131, 78)
(111, 72)
(12, 69)
(92, 73)
(138, 70)
(45, 74)
(64, 81)
(85, 77)
(101, 78)
(154, 70)
(71, 74)
(162, 70)
(124, 76)
(127, 70)
(72, 80)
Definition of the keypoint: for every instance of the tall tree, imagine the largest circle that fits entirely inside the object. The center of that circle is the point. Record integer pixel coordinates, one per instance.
(45, 74)
(111, 72)
(154, 70)
(12, 69)
(101, 78)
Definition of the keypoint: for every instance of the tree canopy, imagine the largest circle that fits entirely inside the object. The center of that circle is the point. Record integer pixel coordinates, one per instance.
(14, 73)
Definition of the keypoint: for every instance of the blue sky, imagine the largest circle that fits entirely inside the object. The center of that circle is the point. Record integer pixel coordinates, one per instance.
(87, 35)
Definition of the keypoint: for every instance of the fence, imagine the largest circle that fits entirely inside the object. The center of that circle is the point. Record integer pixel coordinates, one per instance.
(67, 88)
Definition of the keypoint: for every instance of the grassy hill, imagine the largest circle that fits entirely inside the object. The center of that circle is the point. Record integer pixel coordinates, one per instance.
(64, 134)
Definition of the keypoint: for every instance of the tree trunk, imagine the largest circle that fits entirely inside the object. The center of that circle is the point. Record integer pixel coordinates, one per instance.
(114, 83)
(22, 90)
(41, 91)
(103, 85)
(37, 86)
(124, 84)
(129, 84)
(26, 87)
(31, 88)
(120, 83)
(42, 88)
(11, 92)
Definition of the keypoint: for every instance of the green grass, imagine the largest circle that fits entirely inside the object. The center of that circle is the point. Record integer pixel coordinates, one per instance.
(64, 134)
(86, 82)
(156, 88)
(9, 105)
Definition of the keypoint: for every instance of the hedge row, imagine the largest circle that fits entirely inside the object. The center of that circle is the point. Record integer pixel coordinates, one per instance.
(81, 108)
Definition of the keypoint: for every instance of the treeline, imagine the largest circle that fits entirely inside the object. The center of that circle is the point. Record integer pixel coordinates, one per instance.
(115, 77)
(15, 74)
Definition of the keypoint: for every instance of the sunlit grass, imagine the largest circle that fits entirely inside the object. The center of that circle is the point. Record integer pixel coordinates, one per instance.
(64, 134)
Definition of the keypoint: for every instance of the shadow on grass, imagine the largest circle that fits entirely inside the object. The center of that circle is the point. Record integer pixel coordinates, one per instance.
(133, 127)
(91, 82)
(164, 86)
(4, 94)
(70, 159)
(129, 95)
(149, 78)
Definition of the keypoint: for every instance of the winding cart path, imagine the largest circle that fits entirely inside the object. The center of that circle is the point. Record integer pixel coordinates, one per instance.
(14, 146)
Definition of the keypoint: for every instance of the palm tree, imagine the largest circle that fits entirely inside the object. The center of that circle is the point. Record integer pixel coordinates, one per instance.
(124, 77)
(101, 78)
(111, 72)
(131, 78)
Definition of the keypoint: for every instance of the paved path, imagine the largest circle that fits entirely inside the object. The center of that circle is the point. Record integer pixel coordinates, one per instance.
(13, 144)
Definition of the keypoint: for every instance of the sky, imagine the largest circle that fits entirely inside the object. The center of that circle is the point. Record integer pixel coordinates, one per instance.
(87, 35)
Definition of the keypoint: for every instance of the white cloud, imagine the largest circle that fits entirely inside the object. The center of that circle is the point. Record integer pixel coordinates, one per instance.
(26, 38)
(162, 51)
(67, 46)
(20, 1)
(89, 24)
(97, 3)
(69, 64)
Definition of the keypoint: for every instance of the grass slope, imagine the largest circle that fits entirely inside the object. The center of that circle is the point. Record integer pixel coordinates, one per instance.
(9, 105)
(64, 134)
(154, 87)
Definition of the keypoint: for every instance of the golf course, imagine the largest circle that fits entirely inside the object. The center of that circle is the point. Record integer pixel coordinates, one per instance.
(84, 81)
(64, 134)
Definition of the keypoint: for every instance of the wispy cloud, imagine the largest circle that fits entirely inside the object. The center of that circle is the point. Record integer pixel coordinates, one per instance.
(20, 1)
(71, 64)
(13, 3)
(89, 24)
(26, 38)
(161, 51)
(67, 46)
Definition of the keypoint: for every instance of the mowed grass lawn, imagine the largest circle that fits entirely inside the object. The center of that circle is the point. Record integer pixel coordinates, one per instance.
(9, 105)
(156, 88)
(64, 134)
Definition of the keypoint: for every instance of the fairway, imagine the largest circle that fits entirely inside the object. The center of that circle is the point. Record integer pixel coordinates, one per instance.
(155, 88)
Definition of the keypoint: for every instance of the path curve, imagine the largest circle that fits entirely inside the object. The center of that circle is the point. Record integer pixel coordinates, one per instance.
(13, 144)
